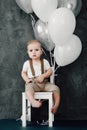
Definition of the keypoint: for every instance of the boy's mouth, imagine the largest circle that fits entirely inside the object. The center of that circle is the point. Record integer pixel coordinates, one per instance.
(34, 55)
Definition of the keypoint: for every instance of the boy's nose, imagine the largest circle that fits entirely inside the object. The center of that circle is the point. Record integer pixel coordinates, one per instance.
(33, 51)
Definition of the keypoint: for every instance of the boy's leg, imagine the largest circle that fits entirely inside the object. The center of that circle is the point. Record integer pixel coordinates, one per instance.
(56, 95)
(34, 103)
(30, 94)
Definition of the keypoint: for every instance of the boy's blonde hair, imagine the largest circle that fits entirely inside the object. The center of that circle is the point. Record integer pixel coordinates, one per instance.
(32, 42)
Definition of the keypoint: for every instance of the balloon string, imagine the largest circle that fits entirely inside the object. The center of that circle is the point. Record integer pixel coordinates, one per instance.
(51, 58)
(56, 68)
(52, 55)
(45, 54)
(57, 65)
(33, 20)
(53, 65)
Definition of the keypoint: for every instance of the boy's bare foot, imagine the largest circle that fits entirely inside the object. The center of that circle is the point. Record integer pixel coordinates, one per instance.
(54, 109)
(36, 103)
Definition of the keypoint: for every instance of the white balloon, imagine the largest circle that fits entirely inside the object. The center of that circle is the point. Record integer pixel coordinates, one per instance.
(78, 7)
(42, 34)
(25, 5)
(71, 4)
(61, 25)
(44, 8)
(74, 5)
(69, 52)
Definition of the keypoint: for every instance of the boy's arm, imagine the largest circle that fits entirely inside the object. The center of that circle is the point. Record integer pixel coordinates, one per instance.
(47, 74)
(25, 77)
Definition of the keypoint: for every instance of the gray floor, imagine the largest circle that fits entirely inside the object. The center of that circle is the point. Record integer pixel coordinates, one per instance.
(16, 125)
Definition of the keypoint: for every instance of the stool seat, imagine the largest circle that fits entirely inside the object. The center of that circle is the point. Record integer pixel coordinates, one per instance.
(38, 95)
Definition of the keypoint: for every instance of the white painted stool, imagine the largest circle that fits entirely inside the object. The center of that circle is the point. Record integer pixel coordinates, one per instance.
(38, 95)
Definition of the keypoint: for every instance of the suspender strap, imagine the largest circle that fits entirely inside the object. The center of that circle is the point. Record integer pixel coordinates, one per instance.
(32, 69)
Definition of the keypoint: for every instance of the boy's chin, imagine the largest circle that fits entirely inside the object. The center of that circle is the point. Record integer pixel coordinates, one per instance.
(35, 58)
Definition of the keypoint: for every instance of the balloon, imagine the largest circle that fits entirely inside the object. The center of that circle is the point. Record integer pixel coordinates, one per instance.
(61, 25)
(78, 7)
(74, 5)
(42, 34)
(69, 52)
(25, 5)
(44, 8)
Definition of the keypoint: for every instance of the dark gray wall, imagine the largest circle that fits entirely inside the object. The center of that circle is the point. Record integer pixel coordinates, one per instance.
(15, 31)
(73, 77)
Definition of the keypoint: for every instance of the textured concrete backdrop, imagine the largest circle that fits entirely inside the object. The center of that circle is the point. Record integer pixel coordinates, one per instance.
(15, 31)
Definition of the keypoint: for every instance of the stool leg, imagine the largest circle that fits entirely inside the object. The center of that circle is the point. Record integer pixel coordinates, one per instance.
(24, 110)
(50, 113)
(29, 111)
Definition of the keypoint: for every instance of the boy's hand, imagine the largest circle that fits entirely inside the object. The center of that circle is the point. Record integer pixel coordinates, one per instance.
(28, 81)
(40, 79)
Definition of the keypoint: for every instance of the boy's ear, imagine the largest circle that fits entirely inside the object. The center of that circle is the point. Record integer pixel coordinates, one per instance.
(42, 50)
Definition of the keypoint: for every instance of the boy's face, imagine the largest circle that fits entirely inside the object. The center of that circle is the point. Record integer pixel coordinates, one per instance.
(34, 51)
